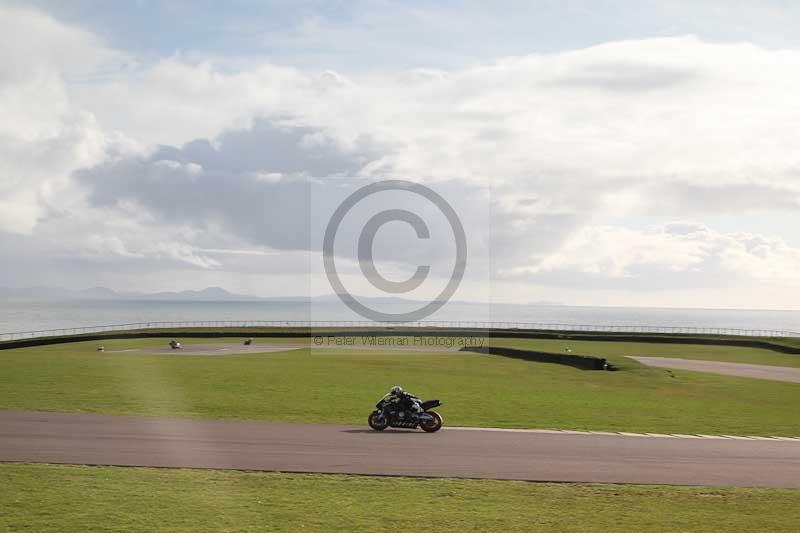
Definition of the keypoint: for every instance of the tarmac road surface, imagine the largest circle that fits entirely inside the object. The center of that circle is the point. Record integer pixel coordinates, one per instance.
(746, 370)
(217, 349)
(496, 454)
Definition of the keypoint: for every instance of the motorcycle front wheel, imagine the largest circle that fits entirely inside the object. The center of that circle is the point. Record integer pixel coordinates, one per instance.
(432, 426)
(376, 422)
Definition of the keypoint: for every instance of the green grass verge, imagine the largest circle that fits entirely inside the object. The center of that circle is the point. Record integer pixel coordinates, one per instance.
(341, 386)
(54, 498)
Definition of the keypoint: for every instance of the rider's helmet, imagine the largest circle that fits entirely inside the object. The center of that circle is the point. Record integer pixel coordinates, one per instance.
(397, 390)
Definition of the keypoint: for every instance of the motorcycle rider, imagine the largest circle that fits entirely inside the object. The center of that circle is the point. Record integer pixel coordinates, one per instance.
(406, 400)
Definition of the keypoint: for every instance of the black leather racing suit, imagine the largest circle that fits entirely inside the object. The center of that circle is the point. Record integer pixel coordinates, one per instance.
(408, 402)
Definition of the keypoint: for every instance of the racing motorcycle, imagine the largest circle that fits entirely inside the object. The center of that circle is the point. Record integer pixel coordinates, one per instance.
(390, 413)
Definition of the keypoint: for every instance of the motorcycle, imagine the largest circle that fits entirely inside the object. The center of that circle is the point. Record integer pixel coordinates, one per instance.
(389, 413)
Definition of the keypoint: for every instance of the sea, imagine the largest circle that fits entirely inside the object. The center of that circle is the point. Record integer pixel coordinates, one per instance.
(22, 316)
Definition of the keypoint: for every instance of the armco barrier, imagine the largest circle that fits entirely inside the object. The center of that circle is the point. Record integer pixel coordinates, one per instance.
(584, 362)
(426, 324)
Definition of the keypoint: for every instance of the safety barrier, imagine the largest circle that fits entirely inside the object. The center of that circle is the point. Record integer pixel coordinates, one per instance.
(317, 324)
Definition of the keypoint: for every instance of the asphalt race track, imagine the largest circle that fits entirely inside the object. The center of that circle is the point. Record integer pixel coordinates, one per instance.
(217, 349)
(745, 370)
(535, 456)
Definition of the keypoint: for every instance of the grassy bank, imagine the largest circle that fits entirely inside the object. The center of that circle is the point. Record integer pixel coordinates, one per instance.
(78, 498)
(340, 386)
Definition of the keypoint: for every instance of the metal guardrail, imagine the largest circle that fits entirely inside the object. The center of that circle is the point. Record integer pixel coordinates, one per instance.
(689, 330)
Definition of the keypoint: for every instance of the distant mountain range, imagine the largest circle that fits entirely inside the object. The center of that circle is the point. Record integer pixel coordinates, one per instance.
(104, 293)
(209, 294)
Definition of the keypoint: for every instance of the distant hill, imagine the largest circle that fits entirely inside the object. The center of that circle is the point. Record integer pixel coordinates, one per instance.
(42, 293)
(104, 293)
(209, 294)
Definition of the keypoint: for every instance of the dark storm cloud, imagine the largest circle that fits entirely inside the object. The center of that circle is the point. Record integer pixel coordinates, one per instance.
(261, 183)
(277, 186)
(271, 147)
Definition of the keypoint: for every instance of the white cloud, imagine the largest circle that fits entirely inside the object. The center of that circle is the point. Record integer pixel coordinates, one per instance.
(571, 145)
(634, 114)
(35, 44)
(43, 135)
(667, 257)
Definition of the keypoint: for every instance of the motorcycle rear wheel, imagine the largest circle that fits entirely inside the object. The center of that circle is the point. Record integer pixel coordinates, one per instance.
(376, 423)
(432, 426)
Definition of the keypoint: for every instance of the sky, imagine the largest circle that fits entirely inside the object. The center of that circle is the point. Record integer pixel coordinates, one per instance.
(597, 152)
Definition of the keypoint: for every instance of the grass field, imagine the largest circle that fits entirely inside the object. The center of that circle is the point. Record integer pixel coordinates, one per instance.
(78, 498)
(340, 386)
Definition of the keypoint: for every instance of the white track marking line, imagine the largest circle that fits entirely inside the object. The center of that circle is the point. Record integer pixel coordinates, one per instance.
(625, 434)
(510, 430)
